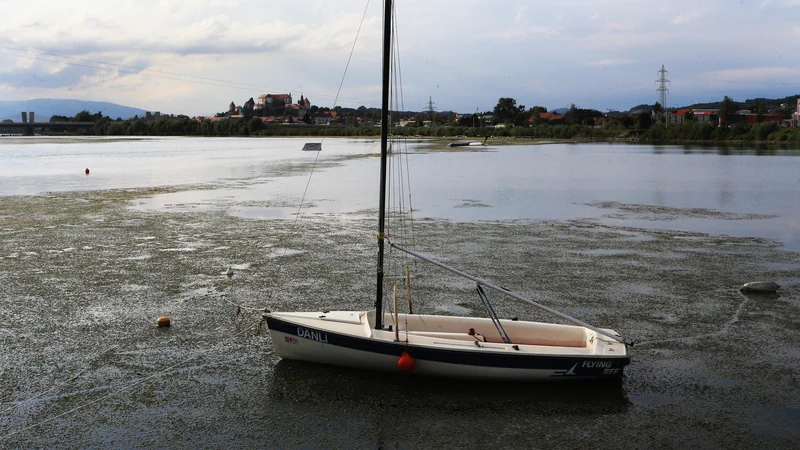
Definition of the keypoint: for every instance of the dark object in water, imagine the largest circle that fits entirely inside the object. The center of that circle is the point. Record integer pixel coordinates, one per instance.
(312, 147)
(760, 286)
(163, 321)
(468, 143)
(87, 171)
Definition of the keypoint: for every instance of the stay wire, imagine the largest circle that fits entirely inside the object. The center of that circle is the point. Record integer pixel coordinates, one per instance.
(394, 220)
(407, 211)
(316, 158)
(404, 152)
(394, 200)
(401, 212)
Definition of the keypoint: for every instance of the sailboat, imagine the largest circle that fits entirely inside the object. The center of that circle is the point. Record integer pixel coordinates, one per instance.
(447, 346)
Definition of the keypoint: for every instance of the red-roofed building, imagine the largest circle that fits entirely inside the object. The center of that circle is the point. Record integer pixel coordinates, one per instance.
(271, 99)
(700, 115)
(549, 117)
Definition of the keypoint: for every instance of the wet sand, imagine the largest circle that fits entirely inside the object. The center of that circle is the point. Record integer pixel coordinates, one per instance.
(83, 278)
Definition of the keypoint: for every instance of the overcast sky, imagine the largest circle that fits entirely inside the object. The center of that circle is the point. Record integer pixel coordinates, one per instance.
(195, 57)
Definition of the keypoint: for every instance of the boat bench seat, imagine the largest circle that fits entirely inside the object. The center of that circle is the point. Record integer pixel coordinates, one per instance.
(442, 334)
(577, 343)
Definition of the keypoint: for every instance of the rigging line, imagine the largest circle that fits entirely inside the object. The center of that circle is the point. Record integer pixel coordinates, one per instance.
(123, 389)
(492, 314)
(242, 86)
(404, 151)
(398, 197)
(396, 157)
(316, 158)
(244, 308)
(22, 402)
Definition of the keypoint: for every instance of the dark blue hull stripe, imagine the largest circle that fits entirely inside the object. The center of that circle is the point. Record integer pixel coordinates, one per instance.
(576, 365)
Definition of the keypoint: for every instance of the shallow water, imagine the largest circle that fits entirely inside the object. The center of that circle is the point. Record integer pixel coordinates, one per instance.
(85, 271)
(740, 193)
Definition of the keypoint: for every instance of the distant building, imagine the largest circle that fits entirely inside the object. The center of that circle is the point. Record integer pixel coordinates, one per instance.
(549, 117)
(700, 115)
(301, 108)
(273, 99)
(744, 116)
(323, 118)
(796, 116)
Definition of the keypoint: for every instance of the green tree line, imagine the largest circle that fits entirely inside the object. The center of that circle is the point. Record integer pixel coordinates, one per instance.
(576, 123)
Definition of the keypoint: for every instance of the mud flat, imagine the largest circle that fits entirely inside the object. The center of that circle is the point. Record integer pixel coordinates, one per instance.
(82, 364)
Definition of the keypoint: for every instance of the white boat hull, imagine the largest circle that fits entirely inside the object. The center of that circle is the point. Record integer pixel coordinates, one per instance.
(345, 338)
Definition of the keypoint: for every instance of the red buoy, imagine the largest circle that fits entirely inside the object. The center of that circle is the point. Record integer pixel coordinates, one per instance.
(87, 171)
(406, 362)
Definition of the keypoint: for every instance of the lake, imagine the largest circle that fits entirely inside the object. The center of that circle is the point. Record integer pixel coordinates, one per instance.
(653, 241)
(544, 182)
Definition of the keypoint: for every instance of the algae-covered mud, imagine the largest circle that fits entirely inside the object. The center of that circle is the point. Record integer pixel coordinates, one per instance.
(654, 244)
(83, 278)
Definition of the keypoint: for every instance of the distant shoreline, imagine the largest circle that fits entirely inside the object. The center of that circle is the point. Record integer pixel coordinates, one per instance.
(444, 140)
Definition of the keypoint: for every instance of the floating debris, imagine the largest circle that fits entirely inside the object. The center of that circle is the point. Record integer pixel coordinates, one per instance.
(229, 272)
(163, 321)
(760, 286)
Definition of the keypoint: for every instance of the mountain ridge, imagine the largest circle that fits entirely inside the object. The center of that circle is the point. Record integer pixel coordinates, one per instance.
(44, 108)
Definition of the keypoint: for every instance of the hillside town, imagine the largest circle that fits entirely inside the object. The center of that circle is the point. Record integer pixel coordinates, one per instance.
(281, 109)
(758, 120)
(276, 108)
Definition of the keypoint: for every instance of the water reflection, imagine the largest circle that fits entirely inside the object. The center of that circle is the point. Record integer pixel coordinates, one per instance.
(328, 387)
(727, 149)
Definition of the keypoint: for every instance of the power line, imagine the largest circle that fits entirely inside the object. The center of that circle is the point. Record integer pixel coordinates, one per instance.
(162, 74)
(140, 69)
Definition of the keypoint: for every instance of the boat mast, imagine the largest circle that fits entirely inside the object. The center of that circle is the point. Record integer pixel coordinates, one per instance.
(387, 49)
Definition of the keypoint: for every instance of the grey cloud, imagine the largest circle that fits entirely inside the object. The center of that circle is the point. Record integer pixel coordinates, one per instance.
(71, 75)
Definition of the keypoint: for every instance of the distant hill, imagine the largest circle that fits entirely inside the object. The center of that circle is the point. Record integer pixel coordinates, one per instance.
(770, 104)
(560, 110)
(640, 109)
(47, 107)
